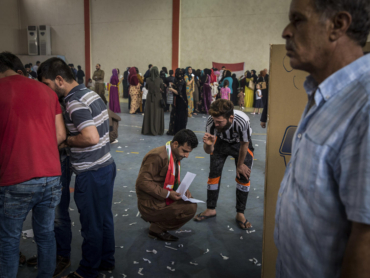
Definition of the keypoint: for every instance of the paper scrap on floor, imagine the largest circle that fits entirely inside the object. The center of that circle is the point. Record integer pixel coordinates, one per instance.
(28, 233)
(184, 186)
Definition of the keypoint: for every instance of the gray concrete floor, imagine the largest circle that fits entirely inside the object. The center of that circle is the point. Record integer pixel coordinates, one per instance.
(213, 234)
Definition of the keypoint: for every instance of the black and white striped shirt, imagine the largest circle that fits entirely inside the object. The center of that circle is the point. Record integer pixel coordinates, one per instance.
(239, 131)
(86, 108)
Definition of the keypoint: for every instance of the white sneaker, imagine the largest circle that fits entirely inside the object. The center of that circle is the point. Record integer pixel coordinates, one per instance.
(115, 141)
(253, 113)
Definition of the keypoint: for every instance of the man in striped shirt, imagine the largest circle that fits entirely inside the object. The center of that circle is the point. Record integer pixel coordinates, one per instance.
(228, 133)
(86, 117)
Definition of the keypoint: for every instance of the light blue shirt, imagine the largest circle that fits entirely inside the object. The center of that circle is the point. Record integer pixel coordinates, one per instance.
(327, 181)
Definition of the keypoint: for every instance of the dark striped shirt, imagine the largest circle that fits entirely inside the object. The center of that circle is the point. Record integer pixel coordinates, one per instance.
(239, 131)
(85, 108)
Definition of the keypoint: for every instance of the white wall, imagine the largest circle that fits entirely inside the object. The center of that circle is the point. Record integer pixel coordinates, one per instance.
(9, 26)
(231, 31)
(66, 19)
(131, 33)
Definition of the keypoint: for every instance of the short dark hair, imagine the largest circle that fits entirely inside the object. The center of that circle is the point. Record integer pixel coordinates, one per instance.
(223, 67)
(53, 67)
(79, 67)
(222, 107)
(358, 9)
(150, 65)
(171, 72)
(186, 136)
(27, 66)
(5, 63)
(38, 62)
(226, 82)
(164, 69)
(10, 61)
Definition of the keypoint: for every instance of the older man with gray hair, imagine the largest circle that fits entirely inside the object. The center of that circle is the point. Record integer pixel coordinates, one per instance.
(322, 226)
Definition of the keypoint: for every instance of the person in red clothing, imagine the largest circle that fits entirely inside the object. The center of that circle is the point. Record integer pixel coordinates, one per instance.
(31, 128)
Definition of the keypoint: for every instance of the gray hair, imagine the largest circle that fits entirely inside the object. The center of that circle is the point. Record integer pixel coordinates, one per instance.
(358, 9)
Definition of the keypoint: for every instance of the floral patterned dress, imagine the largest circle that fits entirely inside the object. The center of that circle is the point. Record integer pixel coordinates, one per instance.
(135, 98)
(189, 94)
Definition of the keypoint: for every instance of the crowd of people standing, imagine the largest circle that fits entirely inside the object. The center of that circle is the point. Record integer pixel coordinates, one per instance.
(187, 93)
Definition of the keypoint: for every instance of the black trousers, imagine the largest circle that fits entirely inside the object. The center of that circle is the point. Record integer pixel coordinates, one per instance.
(222, 150)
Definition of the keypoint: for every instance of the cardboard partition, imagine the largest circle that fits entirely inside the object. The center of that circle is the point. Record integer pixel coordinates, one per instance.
(287, 100)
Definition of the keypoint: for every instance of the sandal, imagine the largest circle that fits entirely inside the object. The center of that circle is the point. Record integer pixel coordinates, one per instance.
(240, 223)
(204, 217)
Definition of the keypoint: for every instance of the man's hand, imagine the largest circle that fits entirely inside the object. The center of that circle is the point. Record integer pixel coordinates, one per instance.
(174, 196)
(263, 125)
(243, 170)
(209, 139)
(188, 194)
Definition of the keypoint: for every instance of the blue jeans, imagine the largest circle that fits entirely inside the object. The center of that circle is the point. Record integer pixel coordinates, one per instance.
(62, 223)
(93, 196)
(41, 195)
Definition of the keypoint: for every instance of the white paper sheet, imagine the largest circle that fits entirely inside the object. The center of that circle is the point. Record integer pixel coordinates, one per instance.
(184, 186)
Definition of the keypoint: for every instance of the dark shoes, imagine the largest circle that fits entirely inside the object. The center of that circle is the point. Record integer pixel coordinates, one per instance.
(32, 261)
(103, 267)
(62, 264)
(165, 236)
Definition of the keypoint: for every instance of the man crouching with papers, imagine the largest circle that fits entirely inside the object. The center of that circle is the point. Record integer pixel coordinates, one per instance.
(156, 186)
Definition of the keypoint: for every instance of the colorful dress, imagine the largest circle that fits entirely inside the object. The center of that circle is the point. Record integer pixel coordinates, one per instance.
(249, 94)
(189, 94)
(135, 98)
(114, 104)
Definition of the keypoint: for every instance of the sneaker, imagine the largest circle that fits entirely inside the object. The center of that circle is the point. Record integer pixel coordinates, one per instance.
(62, 264)
(253, 113)
(115, 141)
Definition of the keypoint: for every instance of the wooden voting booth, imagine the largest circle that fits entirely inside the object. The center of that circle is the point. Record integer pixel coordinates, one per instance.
(287, 100)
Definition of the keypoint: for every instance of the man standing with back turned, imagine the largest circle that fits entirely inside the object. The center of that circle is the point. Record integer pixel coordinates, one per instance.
(87, 120)
(98, 77)
(322, 221)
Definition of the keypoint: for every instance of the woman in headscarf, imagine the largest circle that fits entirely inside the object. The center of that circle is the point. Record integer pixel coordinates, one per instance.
(125, 83)
(164, 69)
(153, 123)
(135, 94)
(207, 91)
(249, 93)
(113, 92)
(235, 87)
(139, 77)
(179, 112)
(132, 72)
(162, 75)
(189, 80)
(254, 79)
(196, 90)
(213, 77)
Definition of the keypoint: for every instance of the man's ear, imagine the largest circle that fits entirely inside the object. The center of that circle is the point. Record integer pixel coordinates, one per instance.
(20, 72)
(339, 25)
(175, 144)
(59, 81)
(231, 117)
